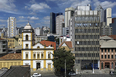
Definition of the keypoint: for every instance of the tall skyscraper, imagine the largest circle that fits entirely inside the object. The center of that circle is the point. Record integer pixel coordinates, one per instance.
(108, 16)
(59, 22)
(11, 22)
(68, 14)
(53, 21)
(84, 29)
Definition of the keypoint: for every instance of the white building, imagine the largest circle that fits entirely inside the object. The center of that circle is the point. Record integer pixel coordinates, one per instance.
(37, 31)
(11, 32)
(108, 16)
(59, 22)
(68, 14)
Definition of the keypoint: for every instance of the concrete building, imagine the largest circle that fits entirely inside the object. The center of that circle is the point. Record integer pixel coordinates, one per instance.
(68, 14)
(113, 25)
(38, 56)
(11, 32)
(37, 31)
(108, 54)
(59, 22)
(3, 46)
(85, 32)
(108, 16)
(106, 30)
(65, 31)
(53, 21)
(102, 16)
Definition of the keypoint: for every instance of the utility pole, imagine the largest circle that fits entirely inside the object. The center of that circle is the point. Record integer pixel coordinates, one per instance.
(65, 67)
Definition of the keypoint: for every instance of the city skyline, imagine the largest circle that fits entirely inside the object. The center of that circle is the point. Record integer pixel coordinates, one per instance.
(37, 12)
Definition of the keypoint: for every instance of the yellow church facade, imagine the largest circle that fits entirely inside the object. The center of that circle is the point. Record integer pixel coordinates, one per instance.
(39, 56)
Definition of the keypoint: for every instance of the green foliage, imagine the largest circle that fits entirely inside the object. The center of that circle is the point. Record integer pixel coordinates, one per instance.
(59, 59)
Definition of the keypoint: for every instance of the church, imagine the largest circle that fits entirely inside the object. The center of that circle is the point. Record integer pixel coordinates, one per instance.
(39, 56)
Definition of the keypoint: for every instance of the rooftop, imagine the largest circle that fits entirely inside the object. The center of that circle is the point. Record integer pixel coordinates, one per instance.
(68, 43)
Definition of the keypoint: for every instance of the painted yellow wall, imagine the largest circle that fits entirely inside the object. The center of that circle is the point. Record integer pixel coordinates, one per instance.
(66, 48)
(8, 63)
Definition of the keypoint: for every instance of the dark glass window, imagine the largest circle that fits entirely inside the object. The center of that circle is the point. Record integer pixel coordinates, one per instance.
(112, 56)
(26, 37)
(108, 50)
(105, 56)
(112, 49)
(108, 56)
(102, 56)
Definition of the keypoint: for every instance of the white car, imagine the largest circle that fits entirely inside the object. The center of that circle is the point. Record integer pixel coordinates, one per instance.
(36, 75)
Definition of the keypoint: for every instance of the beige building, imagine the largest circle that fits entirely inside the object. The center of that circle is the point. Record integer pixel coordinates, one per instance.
(107, 53)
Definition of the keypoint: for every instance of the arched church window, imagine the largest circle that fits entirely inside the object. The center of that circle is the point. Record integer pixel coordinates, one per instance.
(26, 37)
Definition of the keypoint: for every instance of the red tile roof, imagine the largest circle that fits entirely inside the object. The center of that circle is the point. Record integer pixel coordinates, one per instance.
(12, 56)
(49, 43)
(113, 36)
(68, 43)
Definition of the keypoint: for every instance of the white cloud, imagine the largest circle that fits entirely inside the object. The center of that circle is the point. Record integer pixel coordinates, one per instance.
(76, 3)
(8, 6)
(105, 4)
(47, 17)
(2, 25)
(3, 20)
(114, 14)
(38, 24)
(33, 18)
(47, 22)
(40, 6)
(22, 20)
(21, 17)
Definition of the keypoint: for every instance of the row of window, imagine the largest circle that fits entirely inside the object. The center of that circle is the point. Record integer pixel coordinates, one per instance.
(86, 36)
(108, 56)
(86, 30)
(86, 48)
(86, 42)
(108, 49)
(87, 55)
(87, 18)
(86, 24)
(10, 40)
(38, 56)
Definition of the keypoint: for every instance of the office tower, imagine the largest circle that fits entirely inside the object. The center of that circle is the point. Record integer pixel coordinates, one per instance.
(53, 21)
(11, 27)
(102, 15)
(68, 14)
(84, 29)
(37, 30)
(113, 25)
(59, 22)
(108, 16)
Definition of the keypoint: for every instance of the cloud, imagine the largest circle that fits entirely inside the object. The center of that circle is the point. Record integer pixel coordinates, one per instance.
(77, 3)
(105, 4)
(2, 25)
(33, 18)
(8, 6)
(3, 20)
(22, 20)
(114, 14)
(21, 17)
(40, 6)
(47, 18)
(38, 24)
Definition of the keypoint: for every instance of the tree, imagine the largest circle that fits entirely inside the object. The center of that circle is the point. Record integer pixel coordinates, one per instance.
(59, 61)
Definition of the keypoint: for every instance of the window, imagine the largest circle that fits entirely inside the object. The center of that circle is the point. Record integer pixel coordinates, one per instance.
(38, 47)
(26, 45)
(112, 49)
(48, 55)
(26, 37)
(108, 50)
(101, 50)
(108, 56)
(112, 56)
(26, 55)
(38, 55)
(102, 56)
(105, 50)
(34, 55)
(115, 56)
(41, 55)
(105, 56)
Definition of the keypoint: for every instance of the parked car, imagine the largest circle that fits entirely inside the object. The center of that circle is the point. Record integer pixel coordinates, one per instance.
(4, 68)
(36, 75)
(72, 73)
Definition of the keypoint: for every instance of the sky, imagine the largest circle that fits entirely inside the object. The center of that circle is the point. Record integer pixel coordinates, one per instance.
(37, 12)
